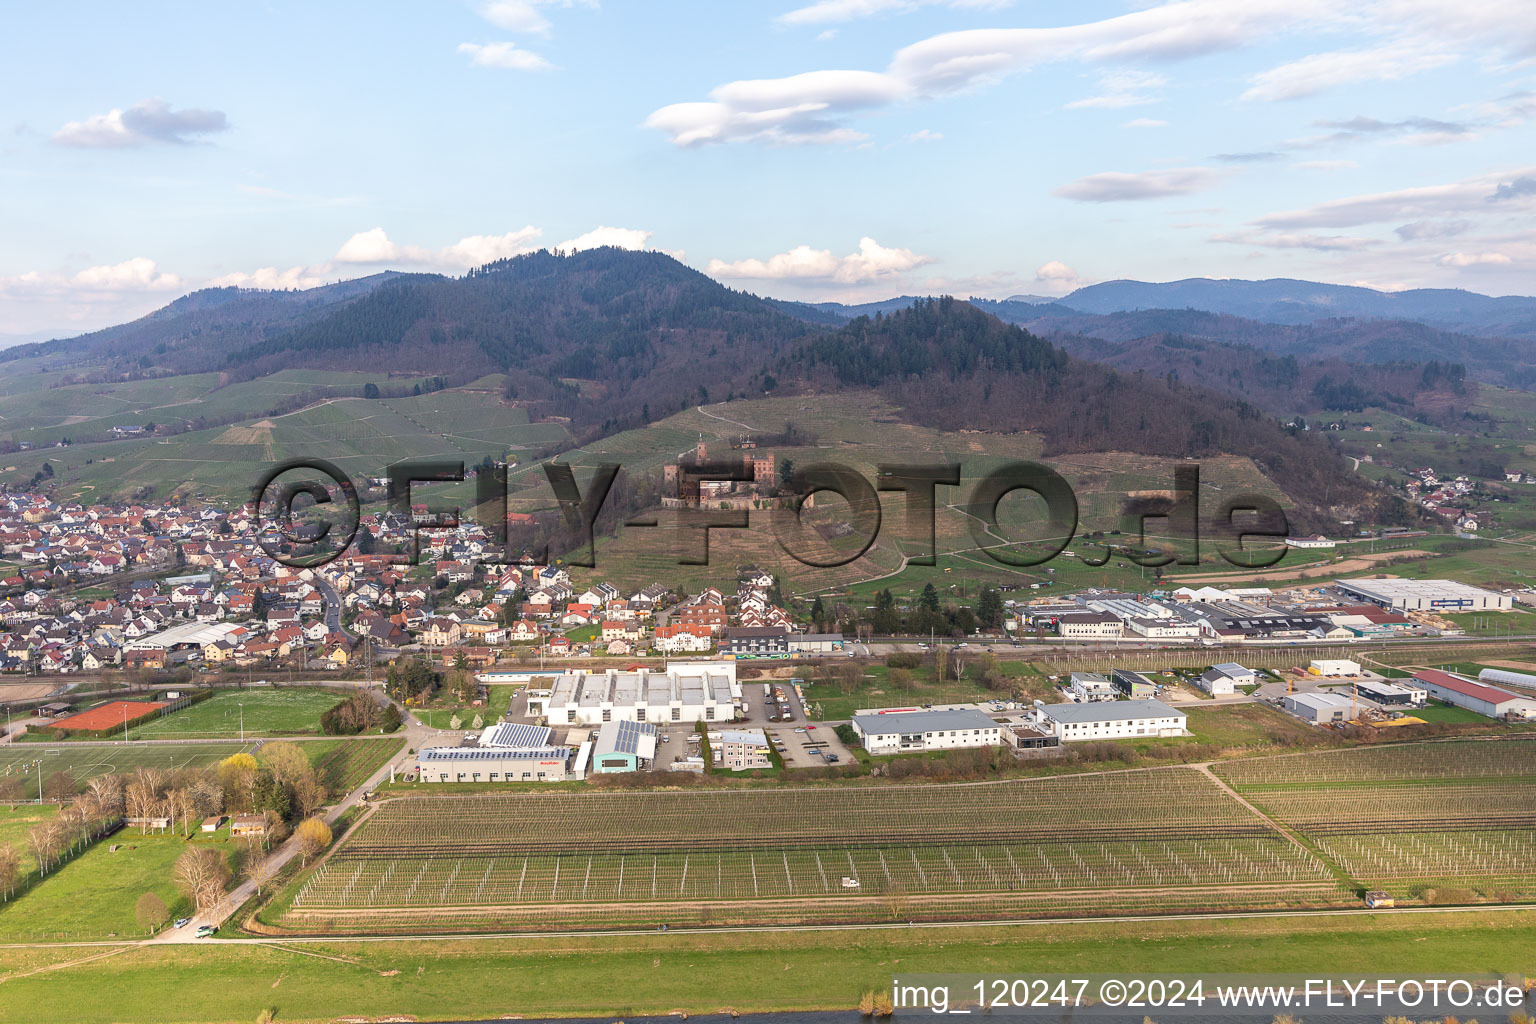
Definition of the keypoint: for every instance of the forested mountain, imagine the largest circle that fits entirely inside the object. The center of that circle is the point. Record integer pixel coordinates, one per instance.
(1287, 301)
(604, 336)
(950, 365)
(195, 332)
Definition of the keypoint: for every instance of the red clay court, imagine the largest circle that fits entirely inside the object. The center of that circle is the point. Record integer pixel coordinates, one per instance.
(108, 715)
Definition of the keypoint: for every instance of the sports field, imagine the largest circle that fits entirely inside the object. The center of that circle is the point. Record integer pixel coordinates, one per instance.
(88, 760)
(107, 716)
(264, 712)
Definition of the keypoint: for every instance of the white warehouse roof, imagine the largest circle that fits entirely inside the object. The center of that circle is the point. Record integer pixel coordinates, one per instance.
(1110, 711)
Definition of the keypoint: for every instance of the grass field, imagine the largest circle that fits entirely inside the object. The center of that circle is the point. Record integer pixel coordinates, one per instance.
(344, 763)
(93, 895)
(87, 760)
(704, 973)
(17, 821)
(265, 712)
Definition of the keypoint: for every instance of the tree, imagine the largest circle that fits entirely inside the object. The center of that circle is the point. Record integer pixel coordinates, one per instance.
(286, 761)
(201, 875)
(151, 912)
(929, 599)
(989, 608)
(314, 835)
(258, 869)
(60, 786)
(478, 723)
(237, 777)
(43, 840)
(455, 722)
(10, 869)
(370, 390)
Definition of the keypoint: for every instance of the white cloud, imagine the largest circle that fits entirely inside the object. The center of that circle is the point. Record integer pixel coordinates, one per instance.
(825, 11)
(1325, 165)
(1423, 202)
(86, 299)
(872, 262)
(813, 107)
(1122, 88)
(1115, 186)
(1145, 122)
(146, 122)
(524, 16)
(272, 279)
(1296, 240)
(924, 135)
(138, 274)
(507, 56)
(1473, 259)
(1319, 71)
(619, 238)
(1432, 229)
(374, 247)
(1057, 278)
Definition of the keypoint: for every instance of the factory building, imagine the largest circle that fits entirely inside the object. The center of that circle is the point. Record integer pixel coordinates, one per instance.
(1395, 693)
(1321, 708)
(898, 732)
(1426, 595)
(1485, 700)
(1133, 684)
(1333, 668)
(702, 691)
(1113, 720)
(496, 764)
(624, 746)
(1224, 680)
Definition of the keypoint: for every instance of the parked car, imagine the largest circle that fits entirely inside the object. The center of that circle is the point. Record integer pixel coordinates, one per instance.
(182, 922)
(205, 931)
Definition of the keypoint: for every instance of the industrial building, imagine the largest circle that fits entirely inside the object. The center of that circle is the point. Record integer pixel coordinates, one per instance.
(1089, 626)
(624, 746)
(1505, 677)
(1465, 693)
(739, 749)
(1387, 694)
(1321, 708)
(1133, 684)
(1224, 680)
(1113, 720)
(497, 764)
(701, 691)
(1426, 595)
(1333, 668)
(815, 643)
(898, 732)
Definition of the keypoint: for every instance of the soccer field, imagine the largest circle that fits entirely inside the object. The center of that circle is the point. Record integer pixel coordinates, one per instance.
(266, 712)
(88, 760)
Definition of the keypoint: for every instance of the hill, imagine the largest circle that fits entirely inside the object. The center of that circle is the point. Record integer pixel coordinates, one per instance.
(1288, 301)
(948, 364)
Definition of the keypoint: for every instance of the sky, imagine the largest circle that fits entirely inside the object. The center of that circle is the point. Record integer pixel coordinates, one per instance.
(812, 149)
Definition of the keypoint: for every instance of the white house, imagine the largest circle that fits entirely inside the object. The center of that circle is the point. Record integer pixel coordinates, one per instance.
(1091, 686)
(1224, 679)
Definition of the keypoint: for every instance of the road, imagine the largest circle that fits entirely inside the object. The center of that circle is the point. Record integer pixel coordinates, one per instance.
(415, 733)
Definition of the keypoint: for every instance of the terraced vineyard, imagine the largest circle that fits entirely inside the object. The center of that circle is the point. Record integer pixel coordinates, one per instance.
(1071, 844)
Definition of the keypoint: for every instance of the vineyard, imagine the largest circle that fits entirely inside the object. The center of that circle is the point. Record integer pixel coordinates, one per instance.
(1138, 840)
(1499, 862)
(1502, 760)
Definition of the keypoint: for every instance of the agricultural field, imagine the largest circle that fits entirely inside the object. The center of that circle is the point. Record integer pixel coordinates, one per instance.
(265, 712)
(1420, 820)
(344, 764)
(1046, 846)
(87, 760)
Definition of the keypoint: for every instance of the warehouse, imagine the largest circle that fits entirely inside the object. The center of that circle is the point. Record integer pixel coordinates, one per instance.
(898, 732)
(1321, 708)
(1333, 668)
(815, 643)
(498, 764)
(1478, 697)
(1114, 720)
(1224, 680)
(1090, 626)
(1389, 694)
(1133, 684)
(1426, 595)
(701, 691)
(624, 747)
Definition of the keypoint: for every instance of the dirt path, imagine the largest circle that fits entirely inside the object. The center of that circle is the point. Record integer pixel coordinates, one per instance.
(1308, 571)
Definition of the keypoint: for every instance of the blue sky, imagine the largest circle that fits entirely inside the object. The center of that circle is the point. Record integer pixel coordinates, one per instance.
(843, 149)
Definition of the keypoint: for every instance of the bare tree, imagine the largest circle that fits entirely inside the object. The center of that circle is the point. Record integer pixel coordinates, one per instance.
(140, 799)
(43, 840)
(108, 791)
(10, 869)
(257, 868)
(202, 876)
